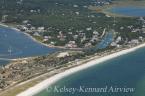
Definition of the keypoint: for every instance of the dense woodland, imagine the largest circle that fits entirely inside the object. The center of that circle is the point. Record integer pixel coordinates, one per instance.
(70, 17)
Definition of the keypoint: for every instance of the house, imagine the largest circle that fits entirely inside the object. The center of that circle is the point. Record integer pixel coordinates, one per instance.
(140, 38)
(88, 44)
(114, 44)
(77, 13)
(95, 38)
(143, 29)
(41, 29)
(122, 28)
(75, 6)
(88, 29)
(134, 41)
(135, 30)
(36, 34)
(95, 32)
(108, 16)
(71, 44)
(45, 38)
(75, 37)
(24, 28)
(52, 43)
(118, 39)
(32, 28)
(25, 21)
(4, 18)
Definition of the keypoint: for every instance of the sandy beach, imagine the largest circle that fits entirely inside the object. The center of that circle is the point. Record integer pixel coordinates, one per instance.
(48, 82)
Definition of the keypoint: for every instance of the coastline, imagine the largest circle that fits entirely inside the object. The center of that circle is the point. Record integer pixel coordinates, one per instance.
(13, 28)
(53, 79)
(104, 9)
(55, 75)
(28, 35)
(31, 37)
(107, 12)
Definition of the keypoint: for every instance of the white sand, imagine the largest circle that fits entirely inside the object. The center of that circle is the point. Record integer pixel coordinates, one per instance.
(48, 82)
(1, 24)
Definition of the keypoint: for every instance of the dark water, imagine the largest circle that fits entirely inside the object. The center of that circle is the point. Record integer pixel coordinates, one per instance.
(129, 11)
(127, 71)
(15, 44)
(3, 62)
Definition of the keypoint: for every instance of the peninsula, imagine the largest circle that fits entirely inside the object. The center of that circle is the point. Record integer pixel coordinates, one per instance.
(85, 33)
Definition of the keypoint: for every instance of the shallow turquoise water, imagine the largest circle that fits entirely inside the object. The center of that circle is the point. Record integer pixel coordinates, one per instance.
(129, 11)
(127, 71)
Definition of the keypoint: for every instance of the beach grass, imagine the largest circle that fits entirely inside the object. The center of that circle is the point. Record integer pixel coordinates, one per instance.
(62, 71)
(48, 82)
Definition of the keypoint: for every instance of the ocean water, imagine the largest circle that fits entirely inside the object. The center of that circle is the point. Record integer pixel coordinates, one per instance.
(129, 11)
(126, 71)
(15, 44)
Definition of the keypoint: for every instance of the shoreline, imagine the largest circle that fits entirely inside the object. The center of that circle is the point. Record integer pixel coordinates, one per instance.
(13, 28)
(37, 41)
(53, 79)
(104, 9)
(108, 11)
(29, 36)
